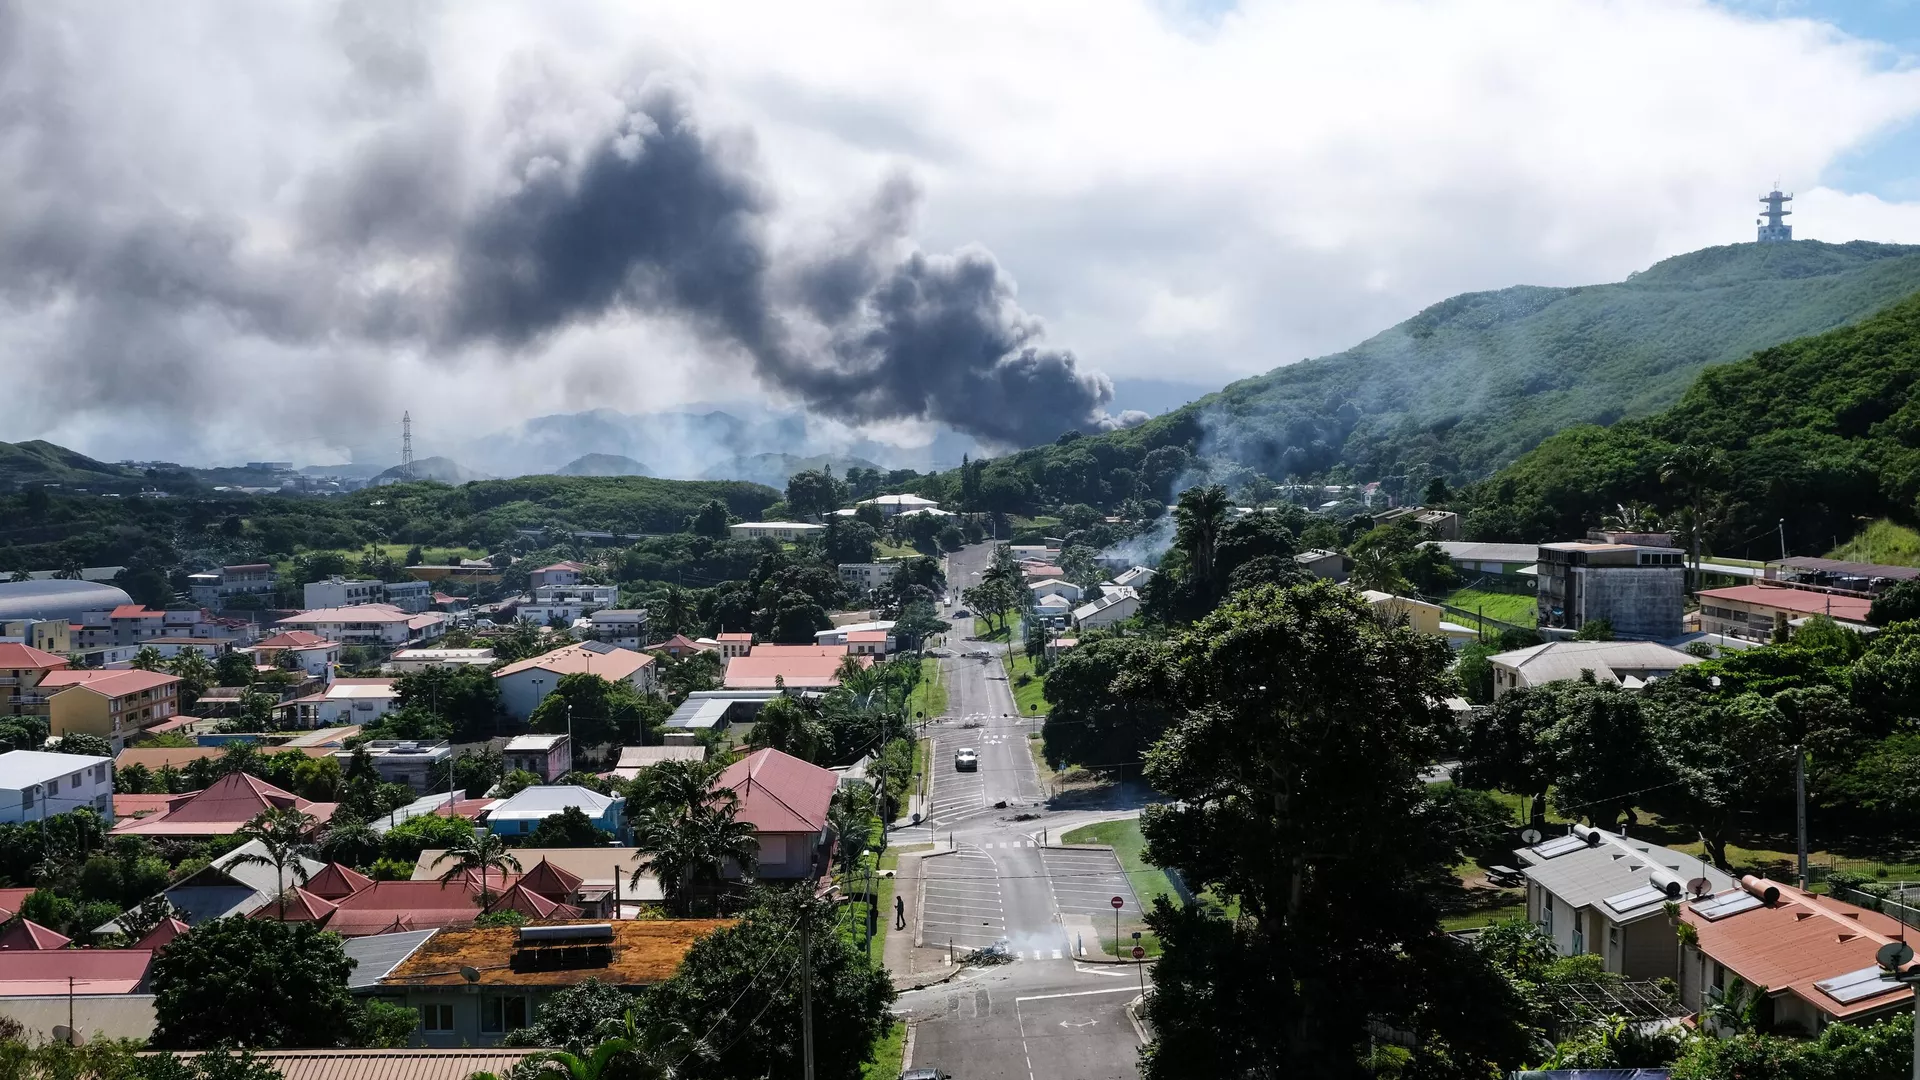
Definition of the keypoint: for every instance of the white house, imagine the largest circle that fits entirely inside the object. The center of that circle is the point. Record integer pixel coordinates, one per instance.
(548, 757)
(625, 627)
(1631, 664)
(894, 505)
(842, 635)
(347, 701)
(1056, 587)
(409, 596)
(776, 530)
(370, 624)
(867, 576)
(1115, 605)
(36, 785)
(560, 573)
(1598, 892)
(524, 812)
(407, 660)
(525, 684)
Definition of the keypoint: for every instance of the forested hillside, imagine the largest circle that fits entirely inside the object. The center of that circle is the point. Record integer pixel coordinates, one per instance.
(1817, 433)
(41, 462)
(1471, 383)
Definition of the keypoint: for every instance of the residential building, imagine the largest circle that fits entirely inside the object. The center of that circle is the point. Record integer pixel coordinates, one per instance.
(1640, 591)
(219, 810)
(345, 701)
(310, 652)
(218, 588)
(170, 647)
(1325, 565)
(774, 530)
(232, 884)
(624, 627)
(560, 573)
(155, 758)
(1133, 577)
(548, 757)
(732, 645)
(390, 907)
(410, 660)
(1598, 892)
(56, 599)
(1475, 560)
(521, 968)
(1052, 609)
(68, 974)
(412, 597)
(412, 1063)
(21, 669)
(523, 813)
(1751, 611)
(1110, 608)
(1813, 956)
(377, 625)
(597, 880)
(717, 710)
(402, 761)
(767, 667)
(1631, 664)
(895, 505)
(873, 643)
(35, 785)
(115, 704)
(1421, 615)
(1060, 587)
(567, 603)
(525, 684)
(635, 758)
(1445, 524)
(47, 635)
(785, 799)
(679, 646)
(135, 625)
(865, 577)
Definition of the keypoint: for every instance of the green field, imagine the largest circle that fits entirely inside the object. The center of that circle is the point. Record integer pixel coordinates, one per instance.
(930, 697)
(1030, 698)
(1515, 608)
(889, 1055)
(1881, 542)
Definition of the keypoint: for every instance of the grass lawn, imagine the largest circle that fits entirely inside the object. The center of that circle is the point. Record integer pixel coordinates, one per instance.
(889, 1055)
(930, 697)
(1149, 881)
(885, 550)
(1881, 542)
(1029, 697)
(1515, 608)
(1467, 920)
(1040, 761)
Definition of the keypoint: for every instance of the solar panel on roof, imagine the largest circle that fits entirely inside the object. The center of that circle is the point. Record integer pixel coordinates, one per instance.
(1856, 985)
(1635, 900)
(1719, 907)
(1559, 845)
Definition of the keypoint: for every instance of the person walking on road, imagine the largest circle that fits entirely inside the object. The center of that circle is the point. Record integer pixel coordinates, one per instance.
(899, 913)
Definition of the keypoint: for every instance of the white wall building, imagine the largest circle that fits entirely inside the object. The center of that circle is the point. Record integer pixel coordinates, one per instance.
(35, 785)
(625, 627)
(867, 576)
(776, 530)
(893, 505)
(370, 624)
(525, 684)
(408, 660)
(1118, 604)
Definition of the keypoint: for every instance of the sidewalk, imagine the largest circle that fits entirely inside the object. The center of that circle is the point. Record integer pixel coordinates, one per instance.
(911, 964)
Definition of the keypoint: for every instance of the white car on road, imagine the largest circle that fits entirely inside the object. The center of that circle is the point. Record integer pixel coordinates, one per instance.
(965, 759)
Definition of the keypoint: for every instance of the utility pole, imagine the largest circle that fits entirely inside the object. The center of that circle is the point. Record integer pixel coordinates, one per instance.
(1800, 806)
(1783, 539)
(806, 988)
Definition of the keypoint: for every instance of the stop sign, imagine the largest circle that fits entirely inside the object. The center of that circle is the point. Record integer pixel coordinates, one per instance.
(1118, 903)
(1139, 953)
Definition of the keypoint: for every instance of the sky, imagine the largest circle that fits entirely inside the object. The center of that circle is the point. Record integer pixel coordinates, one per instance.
(263, 231)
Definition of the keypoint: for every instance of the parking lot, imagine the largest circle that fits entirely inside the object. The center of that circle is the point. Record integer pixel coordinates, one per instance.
(962, 901)
(1085, 882)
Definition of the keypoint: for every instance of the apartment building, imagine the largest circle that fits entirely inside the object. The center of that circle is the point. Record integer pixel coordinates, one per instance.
(379, 625)
(865, 577)
(115, 704)
(22, 668)
(624, 627)
(36, 785)
(1750, 612)
(568, 602)
(217, 588)
(47, 635)
(338, 592)
(1640, 591)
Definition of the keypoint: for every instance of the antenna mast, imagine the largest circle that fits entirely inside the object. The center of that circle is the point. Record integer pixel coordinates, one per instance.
(406, 445)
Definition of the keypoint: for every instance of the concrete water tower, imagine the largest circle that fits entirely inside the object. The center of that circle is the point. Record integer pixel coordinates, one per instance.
(1773, 230)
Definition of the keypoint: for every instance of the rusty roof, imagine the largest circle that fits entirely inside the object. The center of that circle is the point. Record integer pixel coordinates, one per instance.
(645, 951)
(1799, 941)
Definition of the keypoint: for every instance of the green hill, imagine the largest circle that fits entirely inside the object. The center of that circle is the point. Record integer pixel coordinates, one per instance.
(1818, 434)
(41, 462)
(603, 465)
(1473, 382)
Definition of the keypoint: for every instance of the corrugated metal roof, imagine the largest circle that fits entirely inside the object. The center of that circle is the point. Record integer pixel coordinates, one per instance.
(409, 1064)
(1587, 876)
(376, 955)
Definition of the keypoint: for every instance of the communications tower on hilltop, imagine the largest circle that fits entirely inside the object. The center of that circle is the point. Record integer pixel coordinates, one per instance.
(406, 444)
(1773, 230)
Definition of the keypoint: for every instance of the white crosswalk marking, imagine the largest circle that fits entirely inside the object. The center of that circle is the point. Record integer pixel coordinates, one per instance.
(1056, 954)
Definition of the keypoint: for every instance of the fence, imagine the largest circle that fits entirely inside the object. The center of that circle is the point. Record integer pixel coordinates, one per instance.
(1898, 901)
(1486, 623)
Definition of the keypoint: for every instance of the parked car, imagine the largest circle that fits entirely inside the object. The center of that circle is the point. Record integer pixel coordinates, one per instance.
(965, 759)
(962, 613)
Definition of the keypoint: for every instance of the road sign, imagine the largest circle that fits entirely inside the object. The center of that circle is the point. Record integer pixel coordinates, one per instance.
(1117, 903)
(1139, 953)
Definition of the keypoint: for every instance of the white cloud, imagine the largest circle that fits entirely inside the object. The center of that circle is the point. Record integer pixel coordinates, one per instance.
(1277, 183)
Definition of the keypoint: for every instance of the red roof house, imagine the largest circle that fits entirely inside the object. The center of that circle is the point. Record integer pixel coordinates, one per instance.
(10, 901)
(551, 881)
(531, 904)
(388, 906)
(46, 972)
(336, 882)
(30, 935)
(785, 800)
(220, 809)
(166, 930)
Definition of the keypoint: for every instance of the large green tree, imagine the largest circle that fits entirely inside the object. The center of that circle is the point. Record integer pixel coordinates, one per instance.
(258, 983)
(1108, 703)
(1293, 774)
(602, 711)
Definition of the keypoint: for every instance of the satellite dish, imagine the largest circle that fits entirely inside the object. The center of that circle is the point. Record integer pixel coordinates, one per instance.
(65, 1034)
(1530, 837)
(1700, 886)
(1894, 954)
(470, 974)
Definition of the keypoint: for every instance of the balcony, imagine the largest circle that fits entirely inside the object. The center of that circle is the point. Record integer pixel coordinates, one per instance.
(9, 680)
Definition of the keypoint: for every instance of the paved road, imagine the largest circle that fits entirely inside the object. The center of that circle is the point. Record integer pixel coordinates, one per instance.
(1044, 1016)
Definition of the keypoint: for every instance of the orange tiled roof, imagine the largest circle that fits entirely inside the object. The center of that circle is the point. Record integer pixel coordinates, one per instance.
(577, 660)
(1790, 945)
(15, 656)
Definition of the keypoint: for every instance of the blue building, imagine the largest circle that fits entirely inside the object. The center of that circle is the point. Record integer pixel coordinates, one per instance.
(523, 813)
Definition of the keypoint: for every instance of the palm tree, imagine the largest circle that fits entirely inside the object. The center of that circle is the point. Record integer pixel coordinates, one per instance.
(1375, 568)
(148, 659)
(1198, 521)
(657, 1051)
(69, 571)
(480, 850)
(688, 855)
(285, 834)
(787, 724)
(20, 576)
(1694, 470)
(851, 815)
(349, 840)
(675, 612)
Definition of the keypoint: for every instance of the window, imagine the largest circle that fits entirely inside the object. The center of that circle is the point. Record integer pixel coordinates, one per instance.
(1546, 914)
(502, 1014)
(436, 1018)
(26, 798)
(74, 780)
(53, 786)
(1613, 939)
